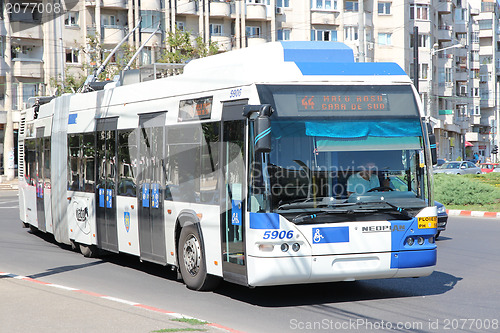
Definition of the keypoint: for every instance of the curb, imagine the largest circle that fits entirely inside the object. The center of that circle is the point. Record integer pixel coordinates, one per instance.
(119, 300)
(457, 212)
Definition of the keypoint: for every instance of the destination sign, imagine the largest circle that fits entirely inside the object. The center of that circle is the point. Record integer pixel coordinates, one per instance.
(342, 102)
(194, 109)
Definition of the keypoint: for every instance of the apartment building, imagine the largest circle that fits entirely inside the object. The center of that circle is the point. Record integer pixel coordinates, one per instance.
(458, 47)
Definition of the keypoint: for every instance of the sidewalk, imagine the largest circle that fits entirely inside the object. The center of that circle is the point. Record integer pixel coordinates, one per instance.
(28, 305)
(9, 184)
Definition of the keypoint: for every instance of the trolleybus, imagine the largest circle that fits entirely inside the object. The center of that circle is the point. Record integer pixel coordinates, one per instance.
(242, 168)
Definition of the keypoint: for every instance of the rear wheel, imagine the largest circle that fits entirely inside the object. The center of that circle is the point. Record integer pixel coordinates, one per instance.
(192, 261)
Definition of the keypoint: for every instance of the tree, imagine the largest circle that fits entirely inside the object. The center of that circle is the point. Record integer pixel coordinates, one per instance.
(182, 47)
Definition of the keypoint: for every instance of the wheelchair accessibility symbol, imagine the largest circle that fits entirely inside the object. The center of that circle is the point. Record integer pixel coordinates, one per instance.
(317, 236)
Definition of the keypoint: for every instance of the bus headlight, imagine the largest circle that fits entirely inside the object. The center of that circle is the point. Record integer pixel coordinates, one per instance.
(284, 247)
(266, 247)
(431, 240)
(296, 247)
(410, 241)
(420, 240)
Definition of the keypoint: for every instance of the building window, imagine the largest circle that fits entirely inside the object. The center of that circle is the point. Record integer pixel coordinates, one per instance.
(110, 21)
(488, 6)
(15, 104)
(424, 71)
(29, 90)
(181, 26)
(324, 35)
(351, 6)
(351, 33)
(215, 29)
(419, 12)
(324, 4)
(150, 19)
(284, 34)
(252, 32)
(485, 24)
(256, 1)
(448, 74)
(71, 19)
(71, 56)
(282, 3)
(384, 8)
(384, 39)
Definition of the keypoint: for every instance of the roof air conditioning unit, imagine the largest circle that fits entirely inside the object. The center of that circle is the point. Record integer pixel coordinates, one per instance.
(279, 10)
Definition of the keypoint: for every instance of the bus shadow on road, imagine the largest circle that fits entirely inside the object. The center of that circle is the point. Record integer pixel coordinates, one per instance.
(339, 292)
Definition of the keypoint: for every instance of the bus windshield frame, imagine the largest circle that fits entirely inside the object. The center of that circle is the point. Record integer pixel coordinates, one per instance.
(315, 159)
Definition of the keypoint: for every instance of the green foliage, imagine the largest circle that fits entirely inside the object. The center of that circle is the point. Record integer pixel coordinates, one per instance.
(465, 190)
(70, 84)
(182, 47)
(192, 321)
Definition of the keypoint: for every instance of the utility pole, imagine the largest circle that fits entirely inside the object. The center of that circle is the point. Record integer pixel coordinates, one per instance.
(8, 141)
(361, 47)
(415, 59)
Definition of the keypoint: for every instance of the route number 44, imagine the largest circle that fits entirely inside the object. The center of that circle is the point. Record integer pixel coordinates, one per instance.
(278, 234)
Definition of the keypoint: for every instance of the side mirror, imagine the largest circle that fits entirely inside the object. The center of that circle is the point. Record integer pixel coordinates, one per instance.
(432, 144)
(262, 126)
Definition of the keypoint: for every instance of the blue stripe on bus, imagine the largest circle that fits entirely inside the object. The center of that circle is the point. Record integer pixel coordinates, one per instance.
(263, 134)
(264, 221)
(359, 68)
(404, 256)
(330, 235)
(72, 118)
(317, 52)
(433, 146)
(413, 259)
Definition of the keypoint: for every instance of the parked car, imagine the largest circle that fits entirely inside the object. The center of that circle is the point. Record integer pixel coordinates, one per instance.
(442, 218)
(488, 167)
(458, 168)
(440, 161)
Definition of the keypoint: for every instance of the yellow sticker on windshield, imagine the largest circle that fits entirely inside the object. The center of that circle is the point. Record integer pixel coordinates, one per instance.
(428, 222)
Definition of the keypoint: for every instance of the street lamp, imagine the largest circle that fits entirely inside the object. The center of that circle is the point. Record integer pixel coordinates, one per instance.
(434, 50)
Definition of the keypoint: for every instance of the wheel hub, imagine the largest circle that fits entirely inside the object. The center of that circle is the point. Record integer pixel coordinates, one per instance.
(192, 255)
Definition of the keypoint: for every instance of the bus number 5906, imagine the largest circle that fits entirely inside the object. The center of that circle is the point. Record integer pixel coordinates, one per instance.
(278, 234)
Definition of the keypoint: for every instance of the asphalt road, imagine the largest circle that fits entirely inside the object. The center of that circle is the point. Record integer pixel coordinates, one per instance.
(463, 293)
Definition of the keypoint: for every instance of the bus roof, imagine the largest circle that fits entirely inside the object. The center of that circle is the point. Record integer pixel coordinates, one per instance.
(294, 61)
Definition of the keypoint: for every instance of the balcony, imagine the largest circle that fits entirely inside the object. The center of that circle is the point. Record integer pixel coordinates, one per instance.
(445, 33)
(224, 42)
(188, 7)
(460, 27)
(255, 41)
(117, 4)
(28, 68)
(318, 17)
(220, 9)
(256, 11)
(445, 6)
(112, 34)
(461, 75)
(29, 30)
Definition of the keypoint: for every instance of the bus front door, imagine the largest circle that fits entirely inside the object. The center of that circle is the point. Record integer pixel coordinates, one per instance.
(233, 195)
(106, 148)
(151, 188)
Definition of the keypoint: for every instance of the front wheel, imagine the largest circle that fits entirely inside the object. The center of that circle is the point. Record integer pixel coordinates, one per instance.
(192, 260)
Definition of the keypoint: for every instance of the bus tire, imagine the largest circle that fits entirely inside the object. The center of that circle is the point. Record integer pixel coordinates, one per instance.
(192, 263)
(89, 251)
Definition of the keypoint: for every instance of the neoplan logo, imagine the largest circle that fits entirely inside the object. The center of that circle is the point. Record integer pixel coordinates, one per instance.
(383, 228)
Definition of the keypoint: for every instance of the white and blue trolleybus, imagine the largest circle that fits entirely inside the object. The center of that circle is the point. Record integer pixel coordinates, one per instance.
(283, 163)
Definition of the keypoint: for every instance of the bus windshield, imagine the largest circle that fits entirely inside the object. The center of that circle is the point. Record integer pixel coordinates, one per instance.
(317, 163)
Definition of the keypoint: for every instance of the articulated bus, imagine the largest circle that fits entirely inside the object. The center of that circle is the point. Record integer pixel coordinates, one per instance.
(283, 163)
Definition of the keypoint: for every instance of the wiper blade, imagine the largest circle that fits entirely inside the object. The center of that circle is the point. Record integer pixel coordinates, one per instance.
(314, 203)
(306, 218)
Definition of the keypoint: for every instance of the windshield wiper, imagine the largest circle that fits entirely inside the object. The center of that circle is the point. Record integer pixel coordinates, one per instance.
(314, 203)
(307, 218)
